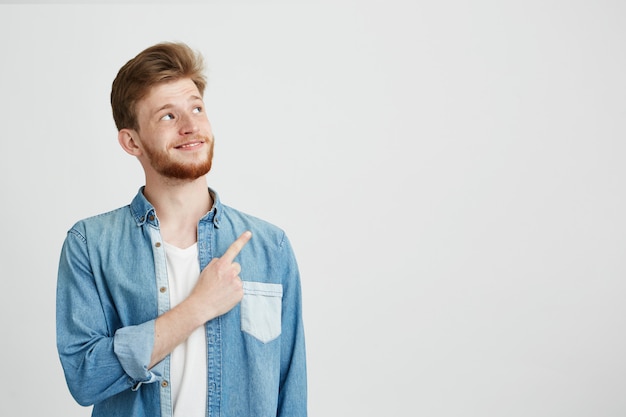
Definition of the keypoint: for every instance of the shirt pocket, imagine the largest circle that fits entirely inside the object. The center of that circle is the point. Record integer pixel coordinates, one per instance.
(261, 310)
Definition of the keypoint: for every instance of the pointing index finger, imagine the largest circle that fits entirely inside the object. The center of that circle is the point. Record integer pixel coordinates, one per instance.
(234, 249)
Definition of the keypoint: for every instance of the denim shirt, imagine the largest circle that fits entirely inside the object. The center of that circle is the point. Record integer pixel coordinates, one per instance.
(112, 285)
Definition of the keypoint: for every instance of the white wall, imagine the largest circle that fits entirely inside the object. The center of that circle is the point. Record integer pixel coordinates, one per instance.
(451, 175)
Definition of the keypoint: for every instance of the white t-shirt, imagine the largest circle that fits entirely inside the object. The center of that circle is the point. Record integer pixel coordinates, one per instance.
(188, 366)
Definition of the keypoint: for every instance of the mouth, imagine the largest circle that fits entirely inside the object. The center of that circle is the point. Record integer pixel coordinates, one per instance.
(190, 145)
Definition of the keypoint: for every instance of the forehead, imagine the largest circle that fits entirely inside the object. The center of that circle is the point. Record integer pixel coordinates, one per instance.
(169, 93)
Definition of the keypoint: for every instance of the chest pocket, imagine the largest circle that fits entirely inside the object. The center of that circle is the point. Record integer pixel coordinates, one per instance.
(261, 310)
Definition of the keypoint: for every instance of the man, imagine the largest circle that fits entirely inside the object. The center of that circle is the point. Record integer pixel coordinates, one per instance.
(178, 305)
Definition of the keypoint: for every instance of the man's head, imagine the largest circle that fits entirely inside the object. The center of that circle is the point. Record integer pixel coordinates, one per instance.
(155, 65)
(158, 107)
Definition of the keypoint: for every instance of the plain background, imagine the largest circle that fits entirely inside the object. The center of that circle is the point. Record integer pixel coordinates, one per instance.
(451, 175)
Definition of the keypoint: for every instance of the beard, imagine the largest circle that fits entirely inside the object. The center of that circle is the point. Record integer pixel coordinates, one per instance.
(165, 165)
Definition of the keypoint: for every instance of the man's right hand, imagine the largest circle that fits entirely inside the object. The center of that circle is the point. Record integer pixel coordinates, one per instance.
(219, 287)
(217, 291)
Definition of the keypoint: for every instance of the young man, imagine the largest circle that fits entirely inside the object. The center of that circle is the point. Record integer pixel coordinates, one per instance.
(178, 305)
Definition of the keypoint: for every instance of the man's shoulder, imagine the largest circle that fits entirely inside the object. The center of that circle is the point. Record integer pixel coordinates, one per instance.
(240, 220)
(104, 220)
(235, 215)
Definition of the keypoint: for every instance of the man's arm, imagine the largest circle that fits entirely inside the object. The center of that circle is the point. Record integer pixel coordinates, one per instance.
(218, 290)
(292, 396)
(99, 364)
(85, 340)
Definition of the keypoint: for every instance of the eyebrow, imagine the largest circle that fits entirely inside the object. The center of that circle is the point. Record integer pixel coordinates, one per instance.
(193, 97)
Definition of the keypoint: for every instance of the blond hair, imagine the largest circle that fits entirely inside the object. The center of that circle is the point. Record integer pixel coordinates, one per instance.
(161, 63)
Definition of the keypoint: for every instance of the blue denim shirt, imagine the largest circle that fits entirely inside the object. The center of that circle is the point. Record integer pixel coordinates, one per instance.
(112, 285)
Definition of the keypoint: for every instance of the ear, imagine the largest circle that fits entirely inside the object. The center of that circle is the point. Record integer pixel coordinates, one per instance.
(126, 138)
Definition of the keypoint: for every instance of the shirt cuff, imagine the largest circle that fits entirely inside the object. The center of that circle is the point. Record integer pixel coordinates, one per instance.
(133, 346)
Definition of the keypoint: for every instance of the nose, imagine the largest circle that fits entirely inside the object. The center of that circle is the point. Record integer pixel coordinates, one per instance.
(188, 124)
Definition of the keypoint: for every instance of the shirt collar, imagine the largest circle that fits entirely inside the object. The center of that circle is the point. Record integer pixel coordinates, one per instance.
(143, 212)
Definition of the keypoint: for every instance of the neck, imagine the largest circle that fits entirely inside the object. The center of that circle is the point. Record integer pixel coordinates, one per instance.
(179, 206)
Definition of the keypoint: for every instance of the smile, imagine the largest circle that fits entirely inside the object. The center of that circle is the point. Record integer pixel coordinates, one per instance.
(189, 145)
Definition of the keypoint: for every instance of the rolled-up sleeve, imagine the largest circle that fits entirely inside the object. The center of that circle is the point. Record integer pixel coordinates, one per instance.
(98, 361)
(133, 346)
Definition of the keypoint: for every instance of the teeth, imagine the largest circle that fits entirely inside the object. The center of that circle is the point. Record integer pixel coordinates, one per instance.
(189, 145)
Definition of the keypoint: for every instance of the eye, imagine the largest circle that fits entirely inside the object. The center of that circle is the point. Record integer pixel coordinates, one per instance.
(197, 109)
(168, 116)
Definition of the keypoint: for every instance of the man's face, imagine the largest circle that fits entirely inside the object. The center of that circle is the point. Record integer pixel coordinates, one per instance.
(174, 131)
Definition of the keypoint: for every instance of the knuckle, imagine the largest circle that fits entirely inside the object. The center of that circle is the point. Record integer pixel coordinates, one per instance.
(238, 285)
(221, 263)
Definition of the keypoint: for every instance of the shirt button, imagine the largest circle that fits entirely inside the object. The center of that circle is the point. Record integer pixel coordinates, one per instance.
(162, 289)
(164, 384)
(158, 244)
(151, 217)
